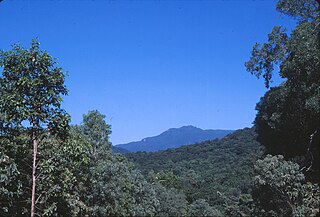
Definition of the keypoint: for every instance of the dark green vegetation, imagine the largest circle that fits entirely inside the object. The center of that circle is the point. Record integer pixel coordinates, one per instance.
(288, 115)
(205, 170)
(48, 168)
(174, 138)
(119, 150)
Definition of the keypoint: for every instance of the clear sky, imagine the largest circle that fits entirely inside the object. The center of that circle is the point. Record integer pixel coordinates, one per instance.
(150, 65)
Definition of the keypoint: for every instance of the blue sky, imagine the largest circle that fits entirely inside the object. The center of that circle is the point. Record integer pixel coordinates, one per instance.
(150, 65)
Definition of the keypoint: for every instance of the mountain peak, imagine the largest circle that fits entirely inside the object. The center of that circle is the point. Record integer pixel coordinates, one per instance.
(186, 129)
(189, 127)
(183, 128)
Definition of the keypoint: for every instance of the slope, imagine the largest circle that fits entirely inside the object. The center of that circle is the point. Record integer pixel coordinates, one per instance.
(119, 150)
(209, 170)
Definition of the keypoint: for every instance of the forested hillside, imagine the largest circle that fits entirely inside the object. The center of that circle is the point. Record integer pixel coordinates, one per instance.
(119, 150)
(205, 170)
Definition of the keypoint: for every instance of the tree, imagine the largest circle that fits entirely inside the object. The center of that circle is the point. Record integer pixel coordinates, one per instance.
(288, 120)
(201, 208)
(280, 189)
(116, 189)
(97, 130)
(11, 186)
(31, 90)
(172, 202)
(110, 186)
(62, 174)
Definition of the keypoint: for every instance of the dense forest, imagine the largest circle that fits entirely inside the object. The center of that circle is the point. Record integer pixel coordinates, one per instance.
(209, 170)
(51, 168)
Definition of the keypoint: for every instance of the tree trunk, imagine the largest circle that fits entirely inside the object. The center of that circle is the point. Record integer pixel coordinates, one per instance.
(33, 194)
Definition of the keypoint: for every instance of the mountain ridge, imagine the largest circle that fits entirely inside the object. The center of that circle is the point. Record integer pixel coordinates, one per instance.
(174, 138)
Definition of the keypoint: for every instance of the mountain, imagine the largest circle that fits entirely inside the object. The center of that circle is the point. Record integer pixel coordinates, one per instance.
(119, 150)
(209, 170)
(174, 138)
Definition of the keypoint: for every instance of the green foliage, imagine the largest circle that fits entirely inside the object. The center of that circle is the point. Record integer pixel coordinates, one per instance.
(10, 188)
(166, 179)
(202, 170)
(278, 185)
(281, 48)
(61, 175)
(202, 208)
(280, 189)
(96, 129)
(72, 182)
(282, 123)
(303, 10)
(118, 190)
(311, 200)
(60, 168)
(239, 206)
(108, 184)
(15, 175)
(288, 115)
(118, 150)
(171, 202)
(31, 90)
(265, 57)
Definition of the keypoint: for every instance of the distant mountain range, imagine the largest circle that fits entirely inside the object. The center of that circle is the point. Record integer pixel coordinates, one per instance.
(173, 138)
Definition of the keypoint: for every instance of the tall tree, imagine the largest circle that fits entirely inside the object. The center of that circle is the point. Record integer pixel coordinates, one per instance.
(287, 121)
(31, 90)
